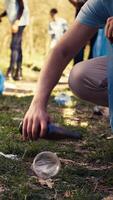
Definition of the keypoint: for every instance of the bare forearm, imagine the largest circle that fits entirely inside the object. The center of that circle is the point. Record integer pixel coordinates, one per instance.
(50, 75)
(66, 49)
(36, 120)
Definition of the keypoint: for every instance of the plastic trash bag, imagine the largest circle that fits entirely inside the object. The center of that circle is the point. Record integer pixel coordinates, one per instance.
(63, 99)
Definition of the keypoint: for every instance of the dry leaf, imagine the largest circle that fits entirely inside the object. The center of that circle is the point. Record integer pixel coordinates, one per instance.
(67, 194)
(49, 183)
(1, 189)
(67, 161)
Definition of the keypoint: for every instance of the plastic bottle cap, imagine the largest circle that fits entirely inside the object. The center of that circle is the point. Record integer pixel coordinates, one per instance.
(46, 164)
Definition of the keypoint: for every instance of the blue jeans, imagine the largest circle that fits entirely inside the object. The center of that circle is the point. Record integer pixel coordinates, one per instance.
(16, 49)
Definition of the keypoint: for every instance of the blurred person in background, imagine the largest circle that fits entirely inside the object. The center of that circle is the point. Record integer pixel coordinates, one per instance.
(18, 14)
(57, 27)
(80, 56)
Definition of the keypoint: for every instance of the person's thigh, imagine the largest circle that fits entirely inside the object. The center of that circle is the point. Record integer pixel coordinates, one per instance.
(88, 80)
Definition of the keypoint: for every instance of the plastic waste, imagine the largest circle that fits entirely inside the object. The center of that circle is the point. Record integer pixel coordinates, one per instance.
(97, 110)
(63, 99)
(55, 132)
(46, 165)
(9, 156)
(2, 80)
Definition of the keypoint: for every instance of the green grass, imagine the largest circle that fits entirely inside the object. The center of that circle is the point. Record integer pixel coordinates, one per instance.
(88, 177)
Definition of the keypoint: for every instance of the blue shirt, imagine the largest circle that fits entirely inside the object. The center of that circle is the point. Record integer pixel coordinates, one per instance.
(95, 14)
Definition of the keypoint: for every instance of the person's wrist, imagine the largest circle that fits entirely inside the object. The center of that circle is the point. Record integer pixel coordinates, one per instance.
(39, 104)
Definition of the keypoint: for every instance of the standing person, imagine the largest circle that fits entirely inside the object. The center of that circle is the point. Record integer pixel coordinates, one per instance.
(88, 79)
(18, 15)
(57, 27)
(80, 56)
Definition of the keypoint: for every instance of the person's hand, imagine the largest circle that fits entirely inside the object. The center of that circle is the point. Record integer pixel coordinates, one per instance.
(35, 123)
(15, 26)
(109, 29)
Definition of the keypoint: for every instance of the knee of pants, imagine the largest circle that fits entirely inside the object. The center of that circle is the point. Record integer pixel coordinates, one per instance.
(76, 81)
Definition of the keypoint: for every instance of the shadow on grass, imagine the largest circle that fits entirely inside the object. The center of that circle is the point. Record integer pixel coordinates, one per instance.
(90, 174)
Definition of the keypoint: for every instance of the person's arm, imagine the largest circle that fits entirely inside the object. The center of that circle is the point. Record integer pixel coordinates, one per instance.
(21, 8)
(50, 30)
(15, 25)
(73, 40)
(65, 26)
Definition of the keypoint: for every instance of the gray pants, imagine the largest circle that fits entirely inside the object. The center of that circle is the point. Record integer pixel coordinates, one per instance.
(88, 80)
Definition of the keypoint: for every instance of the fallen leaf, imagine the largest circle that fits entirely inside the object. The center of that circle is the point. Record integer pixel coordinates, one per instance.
(1, 189)
(67, 161)
(67, 194)
(49, 183)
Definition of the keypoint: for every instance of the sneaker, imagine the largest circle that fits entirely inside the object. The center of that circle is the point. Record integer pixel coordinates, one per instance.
(18, 75)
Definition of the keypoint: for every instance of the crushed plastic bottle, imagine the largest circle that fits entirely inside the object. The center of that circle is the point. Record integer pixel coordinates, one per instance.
(56, 132)
(9, 156)
(46, 165)
(63, 99)
(97, 110)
